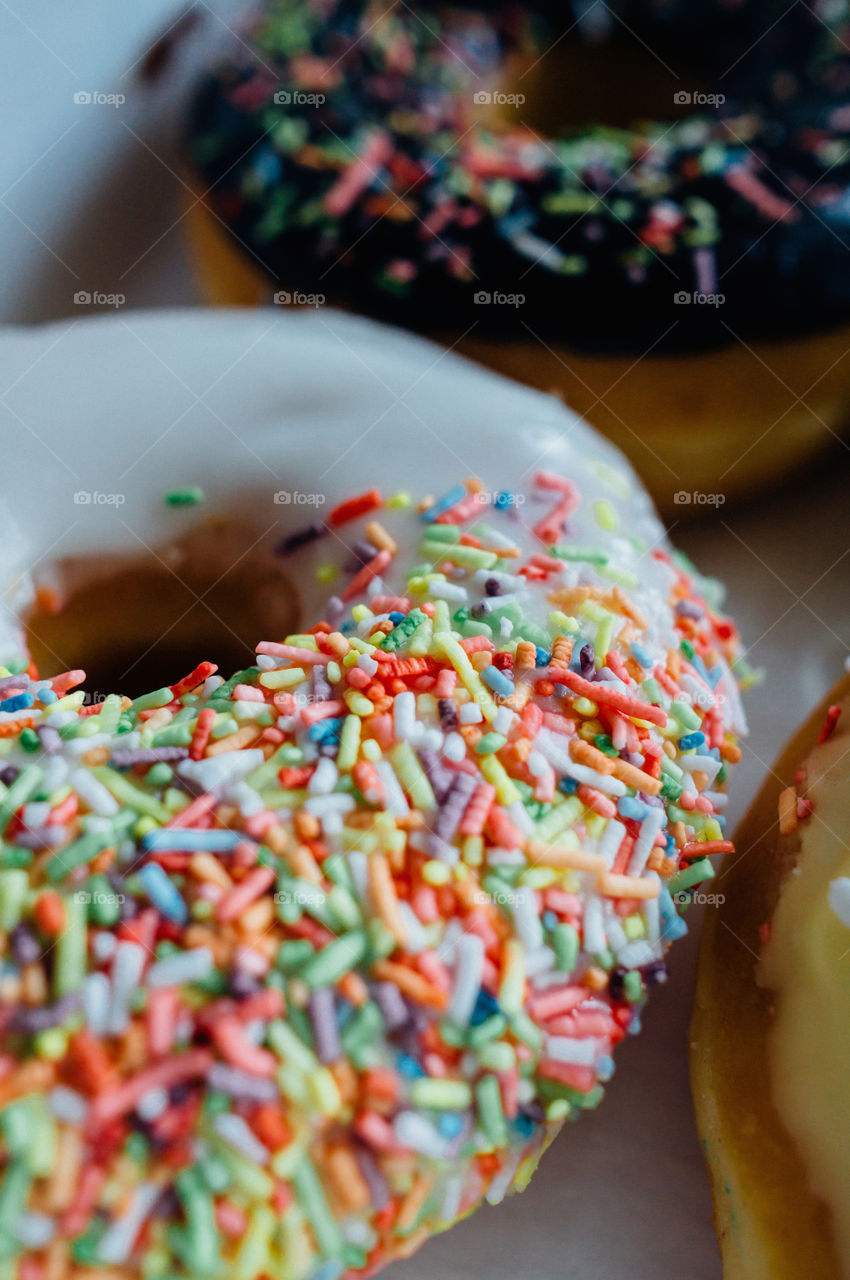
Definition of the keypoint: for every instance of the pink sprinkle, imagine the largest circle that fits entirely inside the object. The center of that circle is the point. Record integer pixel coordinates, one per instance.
(247, 693)
(761, 197)
(238, 1050)
(321, 711)
(292, 653)
(555, 1001)
(446, 683)
(359, 175)
(361, 580)
(256, 883)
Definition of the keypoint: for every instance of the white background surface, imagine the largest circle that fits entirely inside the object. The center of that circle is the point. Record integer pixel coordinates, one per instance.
(90, 199)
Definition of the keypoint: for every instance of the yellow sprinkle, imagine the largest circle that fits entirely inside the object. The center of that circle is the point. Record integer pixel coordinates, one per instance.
(562, 621)
(605, 514)
(378, 536)
(334, 672)
(360, 613)
(473, 851)
(585, 707)
(614, 886)
(436, 872)
(349, 744)
(370, 750)
(357, 703)
(468, 675)
(495, 774)
(326, 573)
(384, 897)
(399, 501)
(284, 679)
(303, 642)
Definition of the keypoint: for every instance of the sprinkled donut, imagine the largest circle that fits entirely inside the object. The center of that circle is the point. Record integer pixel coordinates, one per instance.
(342, 146)
(299, 966)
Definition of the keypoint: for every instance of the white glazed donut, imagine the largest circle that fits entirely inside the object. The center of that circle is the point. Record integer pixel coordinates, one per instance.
(299, 967)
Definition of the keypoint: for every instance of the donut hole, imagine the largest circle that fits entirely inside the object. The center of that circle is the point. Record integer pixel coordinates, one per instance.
(572, 85)
(136, 623)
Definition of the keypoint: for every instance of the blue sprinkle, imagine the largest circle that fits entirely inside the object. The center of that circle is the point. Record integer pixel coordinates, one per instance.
(699, 666)
(47, 696)
(689, 740)
(409, 1067)
(396, 617)
(631, 807)
(715, 675)
(524, 1125)
(450, 1124)
(497, 681)
(193, 839)
(485, 1006)
(163, 893)
(568, 786)
(672, 924)
(450, 499)
(604, 1067)
(322, 730)
(640, 655)
(549, 919)
(542, 657)
(328, 1271)
(17, 701)
(504, 499)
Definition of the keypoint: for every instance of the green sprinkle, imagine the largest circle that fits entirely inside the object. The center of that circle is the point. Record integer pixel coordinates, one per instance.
(689, 876)
(566, 945)
(191, 496)
(491, 1117)
(441, 1095)
(311, 1197)
(151, 701)
(489, 743)
(633, 986)
(70, 967)
(335, 960)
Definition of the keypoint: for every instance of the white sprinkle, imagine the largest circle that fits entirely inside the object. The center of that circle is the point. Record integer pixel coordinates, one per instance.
(614, 930)
(180, 968)
(34, 1230)
(367, 664)
(612, 838)
(59, 719)
(705, 764)
(521, 818)
(127, 969)
(634, 954)
(96, 1002)
(651, 916)
(117, 1241)
(94, 793)
(452, 1192)
(418, 1134)
(68, 1105)
(320, 806)
(501, 1184)
(469, 968)
(454, 748)
(594, 927)
(211, 684)
(35, 815)
(601, 781)
(358, 865)
(247, 800)
(238, 1134)
(447, 591)
(103, 946)
(470, 713)
(265, 661)
(394, 798)
(324, 779)
(526, 920)
(839, 899)
(578, 1053)
(503, 720)
(152, 1104)
(506, 628)
(432, 739)
(218, 771)
(540, 962)
(404, 715)
(649, 829)
(416, 939)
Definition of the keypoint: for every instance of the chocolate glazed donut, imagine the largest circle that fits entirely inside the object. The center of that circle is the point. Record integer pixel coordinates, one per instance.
(405, 163)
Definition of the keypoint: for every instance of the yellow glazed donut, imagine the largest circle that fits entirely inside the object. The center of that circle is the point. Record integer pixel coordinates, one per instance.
(771, 1032)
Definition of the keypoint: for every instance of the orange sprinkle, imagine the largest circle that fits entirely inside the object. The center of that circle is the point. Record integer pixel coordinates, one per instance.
(788, 811)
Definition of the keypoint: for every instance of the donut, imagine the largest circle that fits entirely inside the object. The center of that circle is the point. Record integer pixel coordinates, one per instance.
(300, 965)
(342, 150)
(770, 1047)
